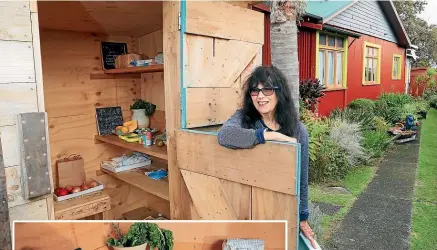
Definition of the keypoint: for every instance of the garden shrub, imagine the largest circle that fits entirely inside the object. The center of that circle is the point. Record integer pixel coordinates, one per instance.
(433, 101)
(375, 142)
(310, 90)
(349, 136)
(390, 114)
(330, 164)
(380, 124)
(317, 129)
(362, 103)
(348, 115)
(396, 99)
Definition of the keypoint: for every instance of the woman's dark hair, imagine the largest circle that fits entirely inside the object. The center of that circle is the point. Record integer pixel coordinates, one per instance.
(285, 114)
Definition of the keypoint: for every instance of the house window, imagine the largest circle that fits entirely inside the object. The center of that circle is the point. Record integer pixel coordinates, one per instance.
(396, 68)
(331, 60)
(372, 64)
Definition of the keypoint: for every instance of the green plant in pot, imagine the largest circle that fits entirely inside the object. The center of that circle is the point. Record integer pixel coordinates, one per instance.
(141, 112)
(140, 235)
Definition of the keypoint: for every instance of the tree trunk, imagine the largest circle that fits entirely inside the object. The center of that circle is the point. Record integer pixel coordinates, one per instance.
(283, 36)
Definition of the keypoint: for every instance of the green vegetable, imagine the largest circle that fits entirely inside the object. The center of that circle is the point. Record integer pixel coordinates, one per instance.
(140, 233)
(147, 106)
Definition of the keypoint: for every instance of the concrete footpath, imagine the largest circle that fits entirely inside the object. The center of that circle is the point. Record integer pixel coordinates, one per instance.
(381, 216)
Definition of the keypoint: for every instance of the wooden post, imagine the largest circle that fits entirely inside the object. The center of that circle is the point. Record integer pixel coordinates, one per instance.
(179, 196)
(5, 232)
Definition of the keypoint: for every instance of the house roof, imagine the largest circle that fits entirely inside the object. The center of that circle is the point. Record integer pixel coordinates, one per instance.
(325, 10)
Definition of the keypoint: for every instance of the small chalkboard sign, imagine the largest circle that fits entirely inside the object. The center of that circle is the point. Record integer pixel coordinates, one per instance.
(110, 51)
(108, 118)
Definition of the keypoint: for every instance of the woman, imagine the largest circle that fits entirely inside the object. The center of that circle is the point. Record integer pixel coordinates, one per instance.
(268, 113)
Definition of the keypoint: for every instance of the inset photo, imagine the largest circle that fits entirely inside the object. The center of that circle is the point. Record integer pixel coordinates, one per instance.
(150, 235)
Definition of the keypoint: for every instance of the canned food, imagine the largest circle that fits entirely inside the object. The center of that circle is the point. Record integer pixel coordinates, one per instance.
(148, 141)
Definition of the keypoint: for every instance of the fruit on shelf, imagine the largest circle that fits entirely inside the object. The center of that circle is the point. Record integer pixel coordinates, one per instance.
(131, 125)
(120, 130)
(61, 192)
(130, 137)
(69, 188)
(83, 187)
(75, 190)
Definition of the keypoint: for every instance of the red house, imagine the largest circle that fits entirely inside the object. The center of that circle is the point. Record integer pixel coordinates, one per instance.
(357, 49)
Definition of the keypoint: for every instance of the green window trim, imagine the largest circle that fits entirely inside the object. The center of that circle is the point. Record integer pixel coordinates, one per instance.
(331, 54)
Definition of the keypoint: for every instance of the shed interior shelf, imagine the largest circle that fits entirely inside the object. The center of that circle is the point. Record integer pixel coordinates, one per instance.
(127, 72)
(137, 178)
(159, 152)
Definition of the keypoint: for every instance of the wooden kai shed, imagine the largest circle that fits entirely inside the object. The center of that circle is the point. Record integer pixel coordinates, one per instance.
(51, 72)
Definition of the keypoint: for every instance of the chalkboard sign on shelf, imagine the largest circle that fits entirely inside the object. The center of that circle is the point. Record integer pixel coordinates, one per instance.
(108, 118)
(110, 51)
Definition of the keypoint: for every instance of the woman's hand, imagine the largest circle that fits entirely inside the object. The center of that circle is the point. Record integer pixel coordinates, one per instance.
(308, 232)
(275, 136)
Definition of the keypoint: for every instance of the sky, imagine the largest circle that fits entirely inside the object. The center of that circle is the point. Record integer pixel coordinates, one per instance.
(429, 14)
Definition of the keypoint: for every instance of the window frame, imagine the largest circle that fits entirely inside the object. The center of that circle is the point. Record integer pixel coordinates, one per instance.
(399, 77)
(378, 68)
(327, 48)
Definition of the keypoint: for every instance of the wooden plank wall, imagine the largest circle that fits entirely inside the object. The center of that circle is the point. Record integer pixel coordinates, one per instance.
(20, 92)
(71, 98)
(152, 84)
(187, 235)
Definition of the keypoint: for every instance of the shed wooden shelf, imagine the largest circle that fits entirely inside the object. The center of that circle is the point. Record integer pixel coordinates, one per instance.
(160, 152)
(137, 178)
(127, 72)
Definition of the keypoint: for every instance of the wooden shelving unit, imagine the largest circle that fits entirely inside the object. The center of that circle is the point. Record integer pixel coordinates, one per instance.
(138, 179)
(127, 72)
(159, 152)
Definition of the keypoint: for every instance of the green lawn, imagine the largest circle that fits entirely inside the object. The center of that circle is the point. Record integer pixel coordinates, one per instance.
(424, 229)
(356, 182)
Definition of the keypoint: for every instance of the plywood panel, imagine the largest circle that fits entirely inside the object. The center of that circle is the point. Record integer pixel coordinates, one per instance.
(240, 196)
(45, 236)
(68, 89)
(17, 63)
(75, 135)
(223, 20)
(271, 166)
(14, 186)
(265, 204)
(127, 197)
(209, 197)
(35, 210)
(16, 98)
(210, 106)
(213, 62)
(187, 235)
(151, 44)
(11, 153)
(133, 18)
(15, 21)
(152, 89)
(126, 93)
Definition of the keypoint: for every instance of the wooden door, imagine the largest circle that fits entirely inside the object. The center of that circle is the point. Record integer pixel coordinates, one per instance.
(220, 45)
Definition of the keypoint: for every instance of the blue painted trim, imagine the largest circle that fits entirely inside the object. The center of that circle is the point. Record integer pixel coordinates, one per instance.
(183, 94)
(198, 131)
(305, 244)
(298, 151)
